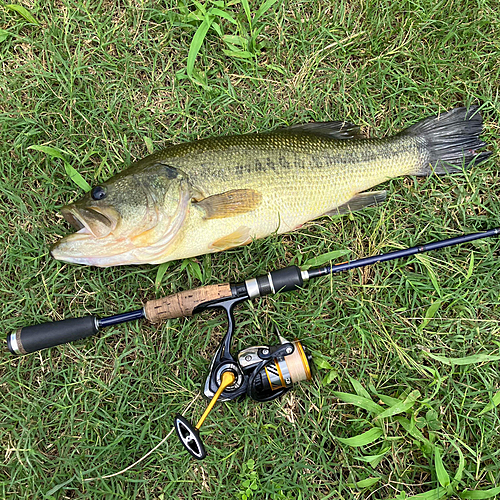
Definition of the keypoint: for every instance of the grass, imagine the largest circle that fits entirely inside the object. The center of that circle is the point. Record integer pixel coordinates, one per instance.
(103, 83)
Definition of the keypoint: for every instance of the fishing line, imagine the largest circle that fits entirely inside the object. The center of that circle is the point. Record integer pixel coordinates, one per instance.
(135, 463)
(131, 466)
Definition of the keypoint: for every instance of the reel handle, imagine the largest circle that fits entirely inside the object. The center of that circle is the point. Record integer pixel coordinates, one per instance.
(189, 435)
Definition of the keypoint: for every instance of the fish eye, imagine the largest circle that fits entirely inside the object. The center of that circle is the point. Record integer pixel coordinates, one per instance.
(98, 193)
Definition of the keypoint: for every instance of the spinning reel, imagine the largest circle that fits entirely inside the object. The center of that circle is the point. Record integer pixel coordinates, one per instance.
(263, 373)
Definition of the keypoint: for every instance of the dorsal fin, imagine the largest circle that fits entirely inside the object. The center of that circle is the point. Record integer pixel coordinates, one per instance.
(334, 130)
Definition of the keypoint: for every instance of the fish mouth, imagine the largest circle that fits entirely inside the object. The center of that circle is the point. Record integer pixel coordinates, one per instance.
(146, 240)
(92, 221)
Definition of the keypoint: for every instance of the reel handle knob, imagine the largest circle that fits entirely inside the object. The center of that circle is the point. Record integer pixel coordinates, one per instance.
(189, 435)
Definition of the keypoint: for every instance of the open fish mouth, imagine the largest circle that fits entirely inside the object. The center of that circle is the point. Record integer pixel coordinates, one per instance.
(91, 221)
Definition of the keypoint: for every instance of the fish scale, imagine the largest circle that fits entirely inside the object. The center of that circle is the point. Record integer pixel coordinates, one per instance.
(218, 193)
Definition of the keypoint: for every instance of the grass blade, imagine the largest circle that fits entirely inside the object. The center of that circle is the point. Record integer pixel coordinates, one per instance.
(435, 494)
(73, 174)
(324, 258)
(492, 404)
(224, 15)
(480, 494)
(200, 7)
(243, 54)
(388, 400)
(374, 460)
(442, 475)
(364, 439)
(195, 270)
(330, 377)
(366, 483)
(360, 390)
(196, 43)
(235, 40)
(53, 152)
(402, 406)
(246, 8)
(76, 177)
(471, 266)
(4, 34)
(321, 363)
(461, 464)
(263, 9)
(467, 360)
(412, 430)
(56, 488)
(361, 402)
(425, 261)
(431, 311)
(22, 11)
(149, 145)
(162, 268)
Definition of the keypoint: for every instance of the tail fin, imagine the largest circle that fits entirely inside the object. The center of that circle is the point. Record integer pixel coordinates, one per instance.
(451, 140)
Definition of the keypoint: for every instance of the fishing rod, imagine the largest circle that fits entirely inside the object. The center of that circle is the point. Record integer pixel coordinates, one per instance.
(263, 373)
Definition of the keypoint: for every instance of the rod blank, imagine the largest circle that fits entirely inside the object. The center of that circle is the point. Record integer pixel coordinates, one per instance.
(398, 254)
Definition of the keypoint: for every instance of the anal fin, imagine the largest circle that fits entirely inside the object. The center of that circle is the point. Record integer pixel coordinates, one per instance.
(359, 201)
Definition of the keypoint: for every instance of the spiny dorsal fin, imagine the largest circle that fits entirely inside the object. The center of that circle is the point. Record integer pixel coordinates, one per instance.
(230, 203)
(359, 201)
(334, 130)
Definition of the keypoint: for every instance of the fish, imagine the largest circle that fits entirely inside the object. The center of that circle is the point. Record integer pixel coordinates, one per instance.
(222, 192)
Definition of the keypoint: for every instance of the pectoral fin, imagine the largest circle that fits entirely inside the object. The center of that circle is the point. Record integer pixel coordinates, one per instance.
(359, 201)
(230, 203)
(239, 237)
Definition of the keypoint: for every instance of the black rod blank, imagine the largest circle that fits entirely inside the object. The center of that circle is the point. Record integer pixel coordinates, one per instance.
(398, 254)
(120, 318)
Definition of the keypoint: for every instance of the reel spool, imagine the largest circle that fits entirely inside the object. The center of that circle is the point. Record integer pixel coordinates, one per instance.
(273, 370)
(264, 372)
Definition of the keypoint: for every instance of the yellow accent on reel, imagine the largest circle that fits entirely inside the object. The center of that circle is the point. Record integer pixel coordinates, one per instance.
(227, 379)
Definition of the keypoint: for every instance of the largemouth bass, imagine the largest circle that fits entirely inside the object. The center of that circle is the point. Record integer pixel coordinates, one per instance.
(218, 193)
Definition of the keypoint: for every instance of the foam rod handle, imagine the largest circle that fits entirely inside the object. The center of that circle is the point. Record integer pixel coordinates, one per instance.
(183, 304)
(37, 337)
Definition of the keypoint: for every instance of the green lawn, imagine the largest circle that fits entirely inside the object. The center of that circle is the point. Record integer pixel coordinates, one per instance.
(106, 82)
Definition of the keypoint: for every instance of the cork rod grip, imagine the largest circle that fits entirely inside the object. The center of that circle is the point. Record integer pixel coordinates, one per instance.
(182, 304)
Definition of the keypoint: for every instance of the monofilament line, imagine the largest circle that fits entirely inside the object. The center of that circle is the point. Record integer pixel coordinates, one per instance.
(131, 466)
